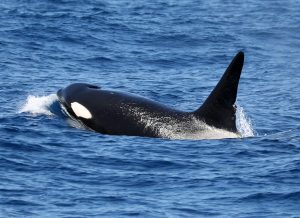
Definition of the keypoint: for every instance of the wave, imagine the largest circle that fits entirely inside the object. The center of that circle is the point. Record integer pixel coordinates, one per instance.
(269, 196)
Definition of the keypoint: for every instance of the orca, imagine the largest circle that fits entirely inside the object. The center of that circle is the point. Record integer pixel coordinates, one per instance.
(118, 113)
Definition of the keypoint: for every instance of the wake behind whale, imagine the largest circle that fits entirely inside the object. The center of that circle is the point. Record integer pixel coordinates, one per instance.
(119, 113)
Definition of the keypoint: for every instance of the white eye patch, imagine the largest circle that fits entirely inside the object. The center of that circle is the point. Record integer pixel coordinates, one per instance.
(80, 110)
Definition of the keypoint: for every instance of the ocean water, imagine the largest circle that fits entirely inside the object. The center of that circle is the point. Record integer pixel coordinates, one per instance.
(173, 52)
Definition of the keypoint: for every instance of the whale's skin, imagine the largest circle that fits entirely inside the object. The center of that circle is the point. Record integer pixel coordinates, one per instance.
(119, 113)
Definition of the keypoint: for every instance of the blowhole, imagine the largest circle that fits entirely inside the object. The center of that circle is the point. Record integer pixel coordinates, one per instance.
(93, 87)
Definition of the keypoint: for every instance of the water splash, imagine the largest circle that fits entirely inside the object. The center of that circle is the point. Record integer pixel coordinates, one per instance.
(189, 128)
(193, 129)
(243, 123)
(38, 105)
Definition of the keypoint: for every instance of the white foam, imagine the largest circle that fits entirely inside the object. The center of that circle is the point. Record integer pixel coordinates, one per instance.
(38, 105)
(243, 123)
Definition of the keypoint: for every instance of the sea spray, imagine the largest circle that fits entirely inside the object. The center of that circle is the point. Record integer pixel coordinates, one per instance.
(38, 105)
(243, 123)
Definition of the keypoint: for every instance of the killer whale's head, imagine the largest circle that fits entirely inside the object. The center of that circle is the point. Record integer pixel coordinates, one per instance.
(71, 99)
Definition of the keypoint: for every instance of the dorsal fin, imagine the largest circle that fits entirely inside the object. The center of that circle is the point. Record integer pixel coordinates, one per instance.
(219, 109)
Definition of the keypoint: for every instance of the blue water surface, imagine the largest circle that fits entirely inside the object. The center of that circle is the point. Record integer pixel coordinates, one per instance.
(173, 52)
